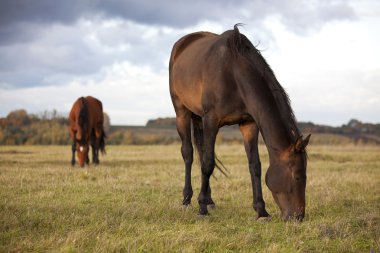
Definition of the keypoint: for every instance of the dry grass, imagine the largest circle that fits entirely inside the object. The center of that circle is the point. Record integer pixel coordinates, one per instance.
(132, 203)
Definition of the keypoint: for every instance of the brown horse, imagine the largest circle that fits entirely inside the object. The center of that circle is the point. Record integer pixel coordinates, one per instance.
(86, 126)
(218, 80)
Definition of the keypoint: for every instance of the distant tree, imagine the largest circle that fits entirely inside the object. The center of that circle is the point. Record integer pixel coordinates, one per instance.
(18, 118)
(161, 122)
(354, 123)
(106, 123)
(50, 115)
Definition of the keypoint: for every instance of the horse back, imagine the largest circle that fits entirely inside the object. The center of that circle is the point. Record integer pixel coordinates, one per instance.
(74, 115)
(201, 77)
(95, 110)
(186, 41)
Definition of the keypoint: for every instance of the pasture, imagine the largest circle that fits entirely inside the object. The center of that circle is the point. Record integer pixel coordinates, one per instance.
(131, 202)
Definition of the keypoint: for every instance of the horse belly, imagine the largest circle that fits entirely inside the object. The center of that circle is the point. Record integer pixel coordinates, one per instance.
(188, 95)
(231, 111)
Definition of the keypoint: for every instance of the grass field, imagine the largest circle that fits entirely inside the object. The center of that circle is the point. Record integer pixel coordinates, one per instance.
(132, 203)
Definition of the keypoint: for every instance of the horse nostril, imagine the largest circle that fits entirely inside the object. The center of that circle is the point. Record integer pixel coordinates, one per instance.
(300, 217)
(288, 216)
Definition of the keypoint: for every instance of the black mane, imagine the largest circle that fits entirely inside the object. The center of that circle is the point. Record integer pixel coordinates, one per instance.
(83, 119)
(241, 46)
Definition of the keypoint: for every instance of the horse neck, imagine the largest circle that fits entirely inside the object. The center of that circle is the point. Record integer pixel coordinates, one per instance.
(275, 130)
(275, 134)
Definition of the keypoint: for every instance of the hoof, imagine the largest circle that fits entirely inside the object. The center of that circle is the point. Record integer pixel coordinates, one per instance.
(186, 207)
(264, 219)
(203, 216)
(211, 206)
(203, 211)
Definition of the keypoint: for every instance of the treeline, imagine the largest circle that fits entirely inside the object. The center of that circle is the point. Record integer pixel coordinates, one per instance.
(125, 135)
(354, 131)
(20, 128)
(161, 122)
(51, 128)
(353, 127)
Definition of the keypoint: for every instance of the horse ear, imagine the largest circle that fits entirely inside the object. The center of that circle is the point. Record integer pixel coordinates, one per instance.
(306, 140)
(301, 143)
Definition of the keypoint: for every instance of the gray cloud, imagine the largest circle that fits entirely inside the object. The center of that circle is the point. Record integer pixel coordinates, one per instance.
(48, 42)
(172, 13)
(42, 11)
(302, 17)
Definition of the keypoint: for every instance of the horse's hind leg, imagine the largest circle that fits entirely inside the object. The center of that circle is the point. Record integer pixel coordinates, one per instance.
(95, 148)
(198, 139)
(87, 158)
(210, 128)
(183, 122)
(250, 133)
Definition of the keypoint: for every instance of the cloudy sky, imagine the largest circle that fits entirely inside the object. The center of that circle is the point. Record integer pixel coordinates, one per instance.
(325, 53)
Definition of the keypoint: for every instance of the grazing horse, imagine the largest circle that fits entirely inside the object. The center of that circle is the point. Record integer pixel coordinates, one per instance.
(86, 126)
(218, 80)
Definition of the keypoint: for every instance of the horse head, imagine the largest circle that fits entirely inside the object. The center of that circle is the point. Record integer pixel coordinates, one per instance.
(286, 179)
(82, 149)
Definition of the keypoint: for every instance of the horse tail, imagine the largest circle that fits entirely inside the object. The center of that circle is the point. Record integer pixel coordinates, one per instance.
(198, 135)
(198, 141)
(83, 118)
(102, 143)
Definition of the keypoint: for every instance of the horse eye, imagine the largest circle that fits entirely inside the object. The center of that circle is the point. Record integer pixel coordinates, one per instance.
(299, 177)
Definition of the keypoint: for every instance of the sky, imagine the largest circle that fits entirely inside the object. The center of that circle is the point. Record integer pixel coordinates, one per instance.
(325, 53)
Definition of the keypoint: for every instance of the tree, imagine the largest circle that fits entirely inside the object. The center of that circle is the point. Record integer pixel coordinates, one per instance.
(18, 118)
(106, 123)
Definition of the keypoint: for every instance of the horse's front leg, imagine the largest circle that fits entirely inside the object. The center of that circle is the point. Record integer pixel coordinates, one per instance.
(73, 148)
(210, 130)
(73, 145)
(250, 133)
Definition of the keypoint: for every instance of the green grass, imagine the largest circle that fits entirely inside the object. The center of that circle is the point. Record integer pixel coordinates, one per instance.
(132, 203)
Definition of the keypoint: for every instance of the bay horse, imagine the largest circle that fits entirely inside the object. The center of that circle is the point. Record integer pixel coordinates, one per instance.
(218, 80)
(86, 127)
